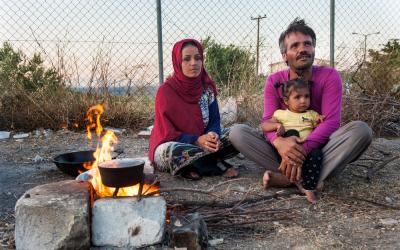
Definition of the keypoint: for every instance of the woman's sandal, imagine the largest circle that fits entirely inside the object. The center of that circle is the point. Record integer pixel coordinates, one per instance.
(191, 175)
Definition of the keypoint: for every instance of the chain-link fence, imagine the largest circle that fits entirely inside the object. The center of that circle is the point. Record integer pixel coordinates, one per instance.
(114, 45)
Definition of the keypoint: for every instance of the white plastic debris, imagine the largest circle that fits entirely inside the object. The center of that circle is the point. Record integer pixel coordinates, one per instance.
(115, 130)
(146, 132)
(228, 111)
(47, 132)
(37, 133)
(38, 159)
(4, 135)
(21, 136)
(215, 242)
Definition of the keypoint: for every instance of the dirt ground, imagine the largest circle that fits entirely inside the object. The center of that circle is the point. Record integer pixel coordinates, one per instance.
(352, 213)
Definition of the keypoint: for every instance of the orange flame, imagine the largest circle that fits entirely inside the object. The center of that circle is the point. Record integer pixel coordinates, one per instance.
(94, 122)
(64, 125)
(104, 153)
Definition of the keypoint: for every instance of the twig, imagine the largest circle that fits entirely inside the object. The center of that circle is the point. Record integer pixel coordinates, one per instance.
(370, 159)
(359, 165)
(169, 190)
(380, 150)
(382, 165)
(226, 182)
(207, 191)
(241, 223)
(215, 203)
(352, 198)
(151, 185)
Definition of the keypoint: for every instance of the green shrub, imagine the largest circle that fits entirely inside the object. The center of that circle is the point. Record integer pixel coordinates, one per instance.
(231, 67)
(30, 74)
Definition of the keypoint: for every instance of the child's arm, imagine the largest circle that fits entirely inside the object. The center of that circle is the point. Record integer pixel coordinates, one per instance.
(273, 125)
(320, 119)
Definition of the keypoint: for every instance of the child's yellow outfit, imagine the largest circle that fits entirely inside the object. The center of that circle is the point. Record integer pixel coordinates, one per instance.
(304, 123)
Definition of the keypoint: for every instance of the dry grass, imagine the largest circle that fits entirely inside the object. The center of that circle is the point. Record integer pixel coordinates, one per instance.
(62, 106)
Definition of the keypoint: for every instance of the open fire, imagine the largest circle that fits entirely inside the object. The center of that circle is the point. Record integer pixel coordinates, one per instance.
(105, 146)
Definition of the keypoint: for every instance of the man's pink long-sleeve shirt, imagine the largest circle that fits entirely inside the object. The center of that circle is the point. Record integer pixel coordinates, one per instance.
(326, 99)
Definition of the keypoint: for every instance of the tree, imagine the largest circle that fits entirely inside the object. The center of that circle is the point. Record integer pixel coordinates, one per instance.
(231, 67)
(30, 74)
(381, 74)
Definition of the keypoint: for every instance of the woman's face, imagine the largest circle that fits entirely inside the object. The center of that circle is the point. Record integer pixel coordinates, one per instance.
(191, 61)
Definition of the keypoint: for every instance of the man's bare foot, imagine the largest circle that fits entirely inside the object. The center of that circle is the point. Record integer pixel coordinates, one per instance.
(274, 179)
(310, 195)
(230, 173)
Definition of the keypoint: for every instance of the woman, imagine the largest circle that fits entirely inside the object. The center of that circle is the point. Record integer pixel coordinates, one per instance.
(186, 138)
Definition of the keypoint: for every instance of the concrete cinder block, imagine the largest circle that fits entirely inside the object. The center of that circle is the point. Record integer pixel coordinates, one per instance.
(127, 222)
(54, 216)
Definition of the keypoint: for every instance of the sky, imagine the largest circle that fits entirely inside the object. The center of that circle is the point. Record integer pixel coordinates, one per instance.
(120, 36)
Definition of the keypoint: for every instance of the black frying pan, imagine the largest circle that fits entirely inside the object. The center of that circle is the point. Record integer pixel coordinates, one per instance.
(72, 163)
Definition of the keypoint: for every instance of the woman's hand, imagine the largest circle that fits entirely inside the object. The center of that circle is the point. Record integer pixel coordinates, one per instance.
(209, 142)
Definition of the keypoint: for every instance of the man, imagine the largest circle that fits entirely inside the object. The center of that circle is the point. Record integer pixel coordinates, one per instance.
(283, 157)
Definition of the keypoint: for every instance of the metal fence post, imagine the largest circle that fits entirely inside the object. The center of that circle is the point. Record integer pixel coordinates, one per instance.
(332, 34)
(160, 44)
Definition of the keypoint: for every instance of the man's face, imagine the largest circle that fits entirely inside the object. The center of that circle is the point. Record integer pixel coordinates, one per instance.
(300, 51)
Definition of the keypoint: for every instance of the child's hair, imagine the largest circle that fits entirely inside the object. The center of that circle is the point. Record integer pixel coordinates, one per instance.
(294, 84)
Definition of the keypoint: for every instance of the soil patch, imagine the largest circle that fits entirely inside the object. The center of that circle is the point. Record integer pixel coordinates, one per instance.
(353, 212)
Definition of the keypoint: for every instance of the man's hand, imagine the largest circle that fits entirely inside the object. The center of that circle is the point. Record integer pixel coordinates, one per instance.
(290, 150)
(292, 172)
(209, 142)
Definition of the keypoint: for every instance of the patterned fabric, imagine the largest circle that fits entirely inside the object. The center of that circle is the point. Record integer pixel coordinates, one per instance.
(174, 156)
(311, 170)
(205, 100)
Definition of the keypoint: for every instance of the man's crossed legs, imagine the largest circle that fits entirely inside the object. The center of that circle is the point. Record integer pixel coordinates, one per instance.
(345, 145)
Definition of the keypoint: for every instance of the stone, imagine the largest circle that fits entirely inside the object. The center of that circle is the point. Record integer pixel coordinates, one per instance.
(189, 231)
(4, 135)
(388, 222)
(388, 199)
(54, 216)
(128, 223)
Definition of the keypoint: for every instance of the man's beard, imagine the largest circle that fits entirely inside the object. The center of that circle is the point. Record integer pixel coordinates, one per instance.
(304, 67)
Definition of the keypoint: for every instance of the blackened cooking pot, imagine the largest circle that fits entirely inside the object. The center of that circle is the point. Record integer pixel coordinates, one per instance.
(121, 172)
(73, 163)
